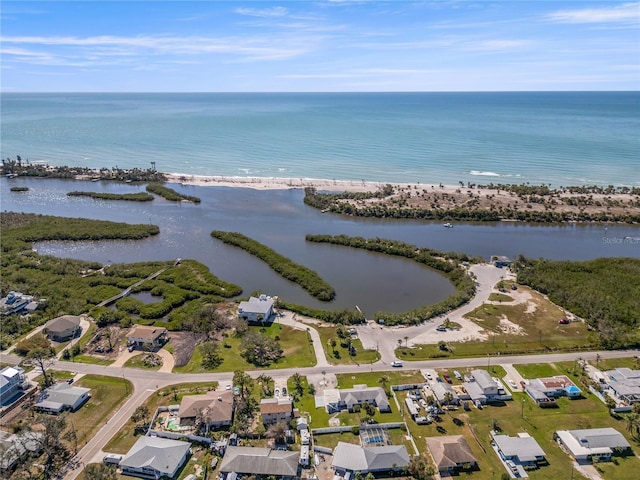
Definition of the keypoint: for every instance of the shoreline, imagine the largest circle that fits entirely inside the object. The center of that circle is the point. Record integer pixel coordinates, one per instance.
(277, 183)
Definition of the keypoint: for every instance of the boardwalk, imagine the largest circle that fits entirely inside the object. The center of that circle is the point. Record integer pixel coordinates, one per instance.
(127, 291)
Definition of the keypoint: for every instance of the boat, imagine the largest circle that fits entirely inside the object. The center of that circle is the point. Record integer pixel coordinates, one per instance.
(448, 225)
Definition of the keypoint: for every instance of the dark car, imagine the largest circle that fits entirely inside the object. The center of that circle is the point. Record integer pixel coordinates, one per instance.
(446, 377)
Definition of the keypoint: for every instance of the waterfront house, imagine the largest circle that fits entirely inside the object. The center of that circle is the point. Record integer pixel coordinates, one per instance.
(500, 261)
(256, 310)
(155, 457)
(63, 328)
(348, 457)
(147, 337)
(17, 302)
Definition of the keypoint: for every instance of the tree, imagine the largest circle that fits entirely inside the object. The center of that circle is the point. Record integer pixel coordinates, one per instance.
(55, 453)
(260, 349)
(41, 356)
(448, 397)
(211, 357)
(265, 380)
(420, 469)
(244, 382)
(442, 346)
(140, 414)
(384, 382)
(406, 341)
(610, 402)
(277, 432)
(100, 471)
(296, 378)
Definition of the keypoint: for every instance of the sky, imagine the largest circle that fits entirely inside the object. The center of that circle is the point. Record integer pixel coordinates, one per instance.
(319, 46)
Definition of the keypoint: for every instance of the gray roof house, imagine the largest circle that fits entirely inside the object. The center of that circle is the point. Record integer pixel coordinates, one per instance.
(348, 457)
(215, 409)
(261, 461)
(347, 398)
(522, 449)
(591, 443)
(63, 328)
(62, 396)
(155, 457)
(450, 453)
(16, 446)
(256, 310)
(625, 384)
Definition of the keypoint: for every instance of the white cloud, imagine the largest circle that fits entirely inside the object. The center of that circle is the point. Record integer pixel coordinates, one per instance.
(626, 12)
(264, 12)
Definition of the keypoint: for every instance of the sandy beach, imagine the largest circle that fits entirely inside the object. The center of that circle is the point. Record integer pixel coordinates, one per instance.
(273, 183)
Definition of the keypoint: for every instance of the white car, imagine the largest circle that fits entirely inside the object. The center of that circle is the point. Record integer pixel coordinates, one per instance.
(277, 392)
(396, 364)
(513, 384)
(429, 377)
(228, 387)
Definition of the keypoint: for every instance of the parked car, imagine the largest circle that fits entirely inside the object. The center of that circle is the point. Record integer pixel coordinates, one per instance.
(277, 392)
(446, 377)
(441, 329)
(429, 377)
(513, 384)
(563, 321)
(456, 374)
(396, 363)
(284, 391)
(514, 287)
(228, 387)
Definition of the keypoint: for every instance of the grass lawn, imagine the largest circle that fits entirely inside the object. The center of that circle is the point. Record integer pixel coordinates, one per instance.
(500, 297)
(146, 361)
(107, 394)
(538, 370)
(397, 436)
(396, 377)
(126, 436)
(611, 363)
(340, 355)
(296, 344)
(517, 416)
(92, 360)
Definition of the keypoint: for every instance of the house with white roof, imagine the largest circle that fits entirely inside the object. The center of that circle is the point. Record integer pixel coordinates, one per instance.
(348, 457)
(12, 381)
(482, 388)
(256, 310)
(592, 443)
(521, 449)
(624, 383)
(62, 396)
(155, 457)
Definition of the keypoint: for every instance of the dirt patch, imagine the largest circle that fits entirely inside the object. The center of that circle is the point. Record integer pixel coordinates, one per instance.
(106, 341)
(509, 327)
(184, 343)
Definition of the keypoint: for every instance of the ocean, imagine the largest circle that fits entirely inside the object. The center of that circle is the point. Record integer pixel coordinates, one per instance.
(557, 138)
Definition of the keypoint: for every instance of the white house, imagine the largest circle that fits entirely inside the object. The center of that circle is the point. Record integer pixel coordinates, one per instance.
(522, 449)
(256, 310)
(155, 457)
(12, 381)
(62, 396)
(347, 398)
(592, 443)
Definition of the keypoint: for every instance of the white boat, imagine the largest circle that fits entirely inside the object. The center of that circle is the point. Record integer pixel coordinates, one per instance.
(448, 225)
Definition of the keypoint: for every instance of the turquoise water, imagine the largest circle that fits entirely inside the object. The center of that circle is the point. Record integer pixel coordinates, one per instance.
(558, 138)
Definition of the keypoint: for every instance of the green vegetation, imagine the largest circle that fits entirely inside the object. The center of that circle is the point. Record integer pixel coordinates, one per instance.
(75, 286)
(147, 361)
(500, 297)
(303, 276)
(519, 202)
(134, 197)
(128, 435)
(447, 263)
(602, 291)
(337, 343)
(17, 167)
(297, 351)
(170, 194)
(19, 189)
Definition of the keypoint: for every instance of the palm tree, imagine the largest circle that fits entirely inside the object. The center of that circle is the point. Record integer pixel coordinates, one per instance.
(406, 341)
(384, 381)
(265, 380)
(297, 383)
(448, 397)
(277, 432)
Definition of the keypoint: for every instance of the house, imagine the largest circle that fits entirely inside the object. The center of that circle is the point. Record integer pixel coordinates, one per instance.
(592, 443)
(261, 461)
(522, 449)
(554, 387)
(348, 457)
(12, 382)
(16, 302)
(155, 457)
(451, 453)
(256, 310)
(274, 410)
(304, 455)
(500, 261)
(482, 388)
(442, 392)
(15, 447)
(346, 399)
(148, 337)
(215, 409)
(63, 328)
(624, 383)
(62, 396)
